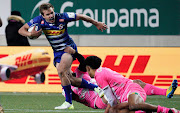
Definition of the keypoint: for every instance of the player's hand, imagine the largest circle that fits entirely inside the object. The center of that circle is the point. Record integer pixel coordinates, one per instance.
(69, 50)
(101, 26)
(107, 108)
(99, 91)
(35, 33)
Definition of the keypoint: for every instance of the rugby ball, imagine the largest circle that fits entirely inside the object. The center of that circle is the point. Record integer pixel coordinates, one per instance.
(37, 28)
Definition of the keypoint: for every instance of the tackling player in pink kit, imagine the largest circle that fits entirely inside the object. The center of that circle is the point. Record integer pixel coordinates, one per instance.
(87, 97)
(119, 89)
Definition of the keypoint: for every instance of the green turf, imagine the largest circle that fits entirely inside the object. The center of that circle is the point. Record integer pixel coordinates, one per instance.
(45, 103)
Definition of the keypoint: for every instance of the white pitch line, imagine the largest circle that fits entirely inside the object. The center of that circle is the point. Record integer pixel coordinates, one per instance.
(45, 111)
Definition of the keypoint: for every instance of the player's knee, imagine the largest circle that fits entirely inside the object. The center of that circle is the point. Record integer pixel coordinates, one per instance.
(137, 81)
(61, 73)
(71, 78)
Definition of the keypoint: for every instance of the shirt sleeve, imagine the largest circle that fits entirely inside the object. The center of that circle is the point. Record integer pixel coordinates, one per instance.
(69, 16)
(110, 96)
(35, 20)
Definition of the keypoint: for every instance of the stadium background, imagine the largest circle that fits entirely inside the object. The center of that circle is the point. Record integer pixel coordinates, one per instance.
(145, 31)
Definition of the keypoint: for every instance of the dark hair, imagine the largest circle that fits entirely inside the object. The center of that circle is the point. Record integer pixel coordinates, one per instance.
(45, 6)
(17, 13)
(93, 61)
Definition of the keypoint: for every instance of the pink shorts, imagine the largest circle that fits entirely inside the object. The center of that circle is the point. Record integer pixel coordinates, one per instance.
(99, 103)
(133, 88)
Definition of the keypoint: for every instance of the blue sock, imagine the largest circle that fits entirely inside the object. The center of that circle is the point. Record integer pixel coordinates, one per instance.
(88, 85)
(68, 93)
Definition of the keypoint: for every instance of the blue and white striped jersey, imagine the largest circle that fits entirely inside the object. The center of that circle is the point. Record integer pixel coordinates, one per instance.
(56, 33)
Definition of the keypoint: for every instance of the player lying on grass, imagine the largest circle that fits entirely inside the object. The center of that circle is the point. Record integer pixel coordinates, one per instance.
(89, 97)
(119, 89)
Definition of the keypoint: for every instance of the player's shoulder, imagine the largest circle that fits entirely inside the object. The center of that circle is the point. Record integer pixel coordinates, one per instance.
(36, 19)
(67, 15)
(103, 69)
(60, 15)
(99, 72)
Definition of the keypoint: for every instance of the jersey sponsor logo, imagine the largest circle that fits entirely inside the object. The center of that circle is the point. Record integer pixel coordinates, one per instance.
(61, 20)
(54, 32)
(42, 22)
(71, 15)
(99, 69)
(23, 60)
(61, 26)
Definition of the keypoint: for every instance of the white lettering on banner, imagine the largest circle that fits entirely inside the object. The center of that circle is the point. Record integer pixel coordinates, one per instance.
(65, 5)
(86, 12)
(109, 23)
(154, 17)
(125, 18)
(138, 12)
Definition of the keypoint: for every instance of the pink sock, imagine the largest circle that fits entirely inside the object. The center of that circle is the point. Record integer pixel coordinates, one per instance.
(139, 111)
(153, 90)
(162, 109)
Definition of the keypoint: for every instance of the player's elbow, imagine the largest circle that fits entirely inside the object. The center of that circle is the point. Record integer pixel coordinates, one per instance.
(20, 31)
(80, 17)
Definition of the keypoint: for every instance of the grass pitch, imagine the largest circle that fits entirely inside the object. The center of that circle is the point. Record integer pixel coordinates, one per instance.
(45, 103)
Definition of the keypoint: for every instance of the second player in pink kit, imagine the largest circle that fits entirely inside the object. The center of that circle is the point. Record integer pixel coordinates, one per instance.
(119, 89)
(86, 96)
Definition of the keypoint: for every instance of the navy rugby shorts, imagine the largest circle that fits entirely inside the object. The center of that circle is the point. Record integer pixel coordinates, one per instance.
(58, 54)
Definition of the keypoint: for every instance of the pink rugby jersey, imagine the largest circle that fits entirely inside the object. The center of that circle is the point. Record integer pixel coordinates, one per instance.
(116, 86)
(86, 96)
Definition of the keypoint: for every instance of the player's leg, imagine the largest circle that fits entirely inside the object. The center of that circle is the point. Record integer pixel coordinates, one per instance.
(1, 109)
(80, 82)
(140, 82)
(136, 102)
(150, 89)
(170, 91)
(112, 110)
(123, 108)
(153, 90)
(63, 69)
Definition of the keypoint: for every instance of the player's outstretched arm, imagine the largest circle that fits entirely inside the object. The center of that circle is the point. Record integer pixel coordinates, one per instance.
(24, 31)
(99, 25)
